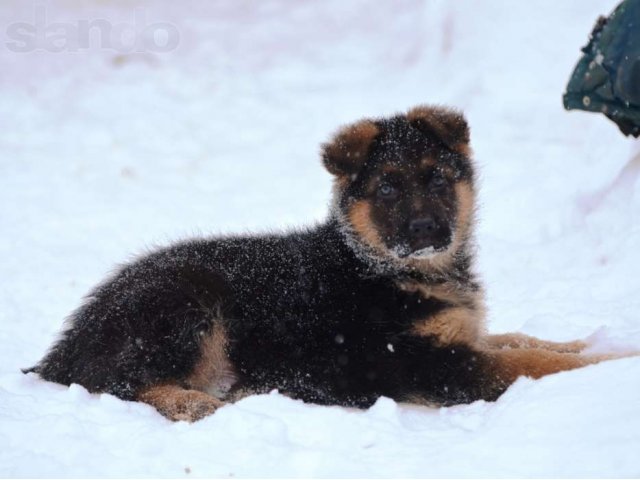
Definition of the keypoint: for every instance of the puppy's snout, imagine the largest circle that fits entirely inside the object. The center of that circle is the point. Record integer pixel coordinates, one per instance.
(423, 227)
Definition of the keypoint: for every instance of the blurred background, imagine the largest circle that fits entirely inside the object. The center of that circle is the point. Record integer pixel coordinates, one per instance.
(129, 124)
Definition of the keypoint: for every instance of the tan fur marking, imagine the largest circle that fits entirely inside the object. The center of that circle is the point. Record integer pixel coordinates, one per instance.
(444, 121)
(466, 322)
(500, 368)
(507, 365)
(462, 323)
(391, 169)
(177, 403)
(465, 197)
(427, 162)
(519, 340)
(457, 325)
(213, 371)
(360, 219)
(464, 149)
(349, 147)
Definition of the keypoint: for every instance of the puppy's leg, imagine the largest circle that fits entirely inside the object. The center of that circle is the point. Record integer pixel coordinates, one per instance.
(502, 367)
(177, 403)
(519, 340)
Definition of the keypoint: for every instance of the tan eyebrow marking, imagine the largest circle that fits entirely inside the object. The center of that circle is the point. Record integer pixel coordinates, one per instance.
(428, 162)
(391, 169)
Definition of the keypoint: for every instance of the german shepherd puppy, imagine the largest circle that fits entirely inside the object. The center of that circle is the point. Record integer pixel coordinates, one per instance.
(381, 299)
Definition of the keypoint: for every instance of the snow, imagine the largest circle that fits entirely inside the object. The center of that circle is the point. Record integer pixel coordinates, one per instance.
(105, 153)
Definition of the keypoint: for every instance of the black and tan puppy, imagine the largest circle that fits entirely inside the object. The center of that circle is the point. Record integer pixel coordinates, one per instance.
(378, 300)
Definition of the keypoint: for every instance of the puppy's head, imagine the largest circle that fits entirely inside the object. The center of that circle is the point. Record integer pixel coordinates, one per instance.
(404, 185)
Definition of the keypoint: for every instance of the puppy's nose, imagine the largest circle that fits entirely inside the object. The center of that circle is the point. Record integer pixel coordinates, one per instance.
(423, 227)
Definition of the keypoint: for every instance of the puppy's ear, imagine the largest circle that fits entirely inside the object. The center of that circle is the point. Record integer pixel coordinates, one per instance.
(347, 151)
(447, 124)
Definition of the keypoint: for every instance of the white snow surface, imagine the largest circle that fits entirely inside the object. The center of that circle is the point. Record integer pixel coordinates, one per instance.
(105, 154)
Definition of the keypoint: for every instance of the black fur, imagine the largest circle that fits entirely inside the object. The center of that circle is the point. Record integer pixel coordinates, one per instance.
(303, 314)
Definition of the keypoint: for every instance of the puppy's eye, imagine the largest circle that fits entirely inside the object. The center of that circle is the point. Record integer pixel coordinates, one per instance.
(387, 191)
(438, 180)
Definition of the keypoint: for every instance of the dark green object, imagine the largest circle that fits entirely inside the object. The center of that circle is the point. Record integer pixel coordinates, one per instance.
(607, 77)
